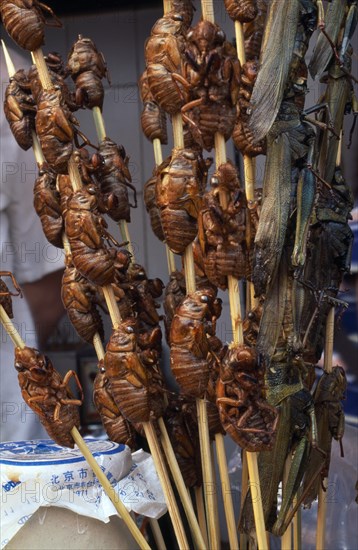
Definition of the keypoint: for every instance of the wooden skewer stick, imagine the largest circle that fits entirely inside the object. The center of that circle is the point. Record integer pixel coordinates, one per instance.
(157, 534)
(117, 503)
(200, 512)
(115, 317)
(286, 539)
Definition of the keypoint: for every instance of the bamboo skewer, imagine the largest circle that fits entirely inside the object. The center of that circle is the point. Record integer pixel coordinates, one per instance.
(200, 512)
(115, 317)
(117, 503)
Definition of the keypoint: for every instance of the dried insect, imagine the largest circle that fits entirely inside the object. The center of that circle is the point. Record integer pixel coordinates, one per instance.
(79, 297)
(330, 391)
(211, 77)
(87, 67)
(24, 20)
(5, 293)
(153, 118)
(117, 427)
(251, 324)
(112, 173)
(47, 394)
(242, 134)
(222, 232)
(173, 296)
(241, 10)
(48, 207)
(19, 109)
(190, 350)
(186, 10)
(164, 57)
(245, 415)
(86, 232)
(54, 127)
(178, 192)
(152, 207)
(128, 377)
(57, 74)
(143, 292)
(254, 30)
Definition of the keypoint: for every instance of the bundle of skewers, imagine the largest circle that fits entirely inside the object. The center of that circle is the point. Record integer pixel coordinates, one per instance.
(289, 241)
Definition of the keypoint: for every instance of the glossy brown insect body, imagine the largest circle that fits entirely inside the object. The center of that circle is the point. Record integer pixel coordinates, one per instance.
(112, 173)
(117, 427)
(186, 10)
(212, 75)
(190, 351)
(46, 393)
(163, 54)
(251, 325)
(153, 119)
(57, 74)
(174, 295)
(245, 415)
(178, 192)
(241, 10)
(78, 297)
(129, 382)
(48, 207)
(330, 391)
(19, 109)
(144, 292)
(152, 207)
(242, 134)
(6, 294)
(54, 128)
(86, 232)
(254, 30)
(87, 67)
(25, 22)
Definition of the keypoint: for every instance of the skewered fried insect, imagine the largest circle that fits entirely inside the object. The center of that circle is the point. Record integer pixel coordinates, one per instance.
(186, 10)
(144, 291)
(173, 296)
(79, 297)
(245, 415)
(153, 118)
(117, 427)
(190, 350)
(19, 109)
(47, 394)
(25, 22)
(48, 207)
(178, 192)
(330, 391)
(86, 232)
(128, 378)
(112, 173)
(211, 76)
(251, 324)
(152, 207)
(241, 10)
(57, 75)
(5, 293)
(222, 231)
(242, 134)
(87, 67)
(54, 127)
(163, 54)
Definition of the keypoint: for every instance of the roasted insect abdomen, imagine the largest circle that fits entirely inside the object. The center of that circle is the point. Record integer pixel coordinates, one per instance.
(241, 10)
(45, 392)
(85, 230)
(24, 21)
(54, 130)
(189, 354)
(179, 190)
(127, 376)
(48, 207)
(78, 298)
(19, 109)
(117, 427)
(153, 118)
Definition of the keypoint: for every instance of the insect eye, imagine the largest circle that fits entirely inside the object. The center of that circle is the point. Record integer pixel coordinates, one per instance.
(19, 367)
(251, 315)
(91, 190)
(204, 299)
(130, 330)
(122, 152)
